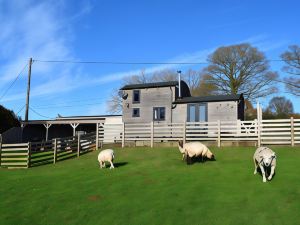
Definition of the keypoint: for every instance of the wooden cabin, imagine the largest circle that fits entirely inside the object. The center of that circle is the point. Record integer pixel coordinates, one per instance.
(171, 102)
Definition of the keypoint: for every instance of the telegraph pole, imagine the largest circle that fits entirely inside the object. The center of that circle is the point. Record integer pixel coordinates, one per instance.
(28, 89)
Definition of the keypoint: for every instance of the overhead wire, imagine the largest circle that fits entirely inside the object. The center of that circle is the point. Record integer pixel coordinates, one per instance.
(13, 82)
(37, 113)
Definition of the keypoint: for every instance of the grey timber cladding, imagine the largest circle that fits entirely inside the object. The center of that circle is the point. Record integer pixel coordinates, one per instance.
(225, 111)
(149, 98)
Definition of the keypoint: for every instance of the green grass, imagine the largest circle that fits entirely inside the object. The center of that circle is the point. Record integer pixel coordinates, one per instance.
(153, 186)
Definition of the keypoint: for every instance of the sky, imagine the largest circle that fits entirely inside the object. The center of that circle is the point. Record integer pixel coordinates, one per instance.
(134, 31)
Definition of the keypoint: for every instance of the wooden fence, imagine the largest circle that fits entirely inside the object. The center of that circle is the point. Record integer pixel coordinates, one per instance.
(25, 155)
(264, 132)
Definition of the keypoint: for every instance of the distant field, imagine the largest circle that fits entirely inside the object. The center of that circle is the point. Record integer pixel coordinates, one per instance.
(153, 186)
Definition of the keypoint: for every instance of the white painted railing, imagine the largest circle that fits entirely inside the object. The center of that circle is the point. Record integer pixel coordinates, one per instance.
(264, 132)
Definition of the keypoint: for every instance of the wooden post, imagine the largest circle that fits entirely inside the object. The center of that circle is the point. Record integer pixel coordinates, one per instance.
(28, 89)
(97, 136)
(152, 134)
(55, 151)
(123, 135)
(0, 148)
(78, 146)
(184, 133)
(292, 132)
(258, 133)
(47, 126)
(28, 154)
(219, 133)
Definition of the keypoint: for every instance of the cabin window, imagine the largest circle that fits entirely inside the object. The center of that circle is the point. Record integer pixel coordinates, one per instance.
(197, 112)
(135, 112)
(136, 96)
(159, 113)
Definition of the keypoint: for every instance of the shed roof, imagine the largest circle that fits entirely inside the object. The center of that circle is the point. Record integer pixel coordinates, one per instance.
(150, 85)
(214, 98)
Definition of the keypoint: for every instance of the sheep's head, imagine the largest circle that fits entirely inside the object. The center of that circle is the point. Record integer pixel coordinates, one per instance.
(267, 158)
(180, 146)
(210, 155)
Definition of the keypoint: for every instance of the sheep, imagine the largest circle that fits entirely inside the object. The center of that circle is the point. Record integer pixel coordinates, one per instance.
(194, 149)
(106, 155)
(264, 158)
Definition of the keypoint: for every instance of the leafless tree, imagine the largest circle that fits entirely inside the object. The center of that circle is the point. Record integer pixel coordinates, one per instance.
(241, 69)
(291, 58)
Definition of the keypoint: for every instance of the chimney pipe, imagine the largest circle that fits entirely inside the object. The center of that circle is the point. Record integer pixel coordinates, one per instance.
(179, 83)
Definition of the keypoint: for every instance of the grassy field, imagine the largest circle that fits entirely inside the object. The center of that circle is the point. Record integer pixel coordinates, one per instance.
(153, 186)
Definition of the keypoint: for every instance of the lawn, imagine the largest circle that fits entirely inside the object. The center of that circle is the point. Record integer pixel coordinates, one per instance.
(153, 186)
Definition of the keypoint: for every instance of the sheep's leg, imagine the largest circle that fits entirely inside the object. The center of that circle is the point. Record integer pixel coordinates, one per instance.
(100, 164)
(182, 157)
(272, 172)
(111, 165)
(263, 173)
(255, 166)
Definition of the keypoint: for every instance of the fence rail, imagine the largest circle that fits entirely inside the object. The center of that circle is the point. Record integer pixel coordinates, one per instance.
(25, 155)
(264, 132)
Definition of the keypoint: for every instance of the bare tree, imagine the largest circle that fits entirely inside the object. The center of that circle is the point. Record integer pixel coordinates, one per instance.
(291, 58)
(280, 107)
(241, 69)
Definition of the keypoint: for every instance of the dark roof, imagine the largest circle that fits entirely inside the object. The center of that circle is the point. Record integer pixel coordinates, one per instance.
(214, 98)
(150, 85)
(85, 117)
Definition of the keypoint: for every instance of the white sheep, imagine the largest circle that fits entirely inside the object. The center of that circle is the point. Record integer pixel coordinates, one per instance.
(264, 158)
(106, 155)
(194, 149)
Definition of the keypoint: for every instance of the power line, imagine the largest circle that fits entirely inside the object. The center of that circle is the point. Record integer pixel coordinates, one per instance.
(136, 63)
(14, 81)
(39, 114)
(63, 103)
(65, 106)
(20, 109)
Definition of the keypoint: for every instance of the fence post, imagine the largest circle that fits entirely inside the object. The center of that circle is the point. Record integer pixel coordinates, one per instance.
(258, 133)
(78, 146)
(219, 133)
(97, 136)
(292, 132)
(55, 151)
(184, 132)
(152, 134)
(123, 135)
(28, 154)
(0, 148)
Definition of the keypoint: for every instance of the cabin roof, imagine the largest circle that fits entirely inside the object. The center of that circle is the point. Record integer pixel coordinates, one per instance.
(150, 85)
(213, 98)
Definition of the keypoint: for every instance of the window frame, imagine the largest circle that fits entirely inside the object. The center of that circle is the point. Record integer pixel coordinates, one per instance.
(133, 94)
(138, 114)
(158, 113)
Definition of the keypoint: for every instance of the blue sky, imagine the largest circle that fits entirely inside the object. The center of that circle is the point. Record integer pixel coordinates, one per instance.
(160, 31)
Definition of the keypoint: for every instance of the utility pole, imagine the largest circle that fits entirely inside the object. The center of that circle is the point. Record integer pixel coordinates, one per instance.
(28, 89)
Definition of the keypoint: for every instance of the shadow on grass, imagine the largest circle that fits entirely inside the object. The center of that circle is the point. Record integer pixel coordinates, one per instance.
(192, 160)
(116, 165)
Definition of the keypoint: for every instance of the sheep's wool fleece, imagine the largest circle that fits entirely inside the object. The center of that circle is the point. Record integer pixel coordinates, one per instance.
(106, 155)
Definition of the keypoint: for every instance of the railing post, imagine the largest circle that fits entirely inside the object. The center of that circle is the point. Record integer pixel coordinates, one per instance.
(184, 133)
(28, 154)
(55, 151)
(258, 133)
(0, 148)
(123, 134)
(78, 146)
(152, 134)
(97, 136)
(292, 132)
(219, 133)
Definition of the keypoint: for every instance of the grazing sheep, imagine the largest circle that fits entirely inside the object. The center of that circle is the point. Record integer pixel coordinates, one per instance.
(194, 149)
(264, 158)
(106, 155)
